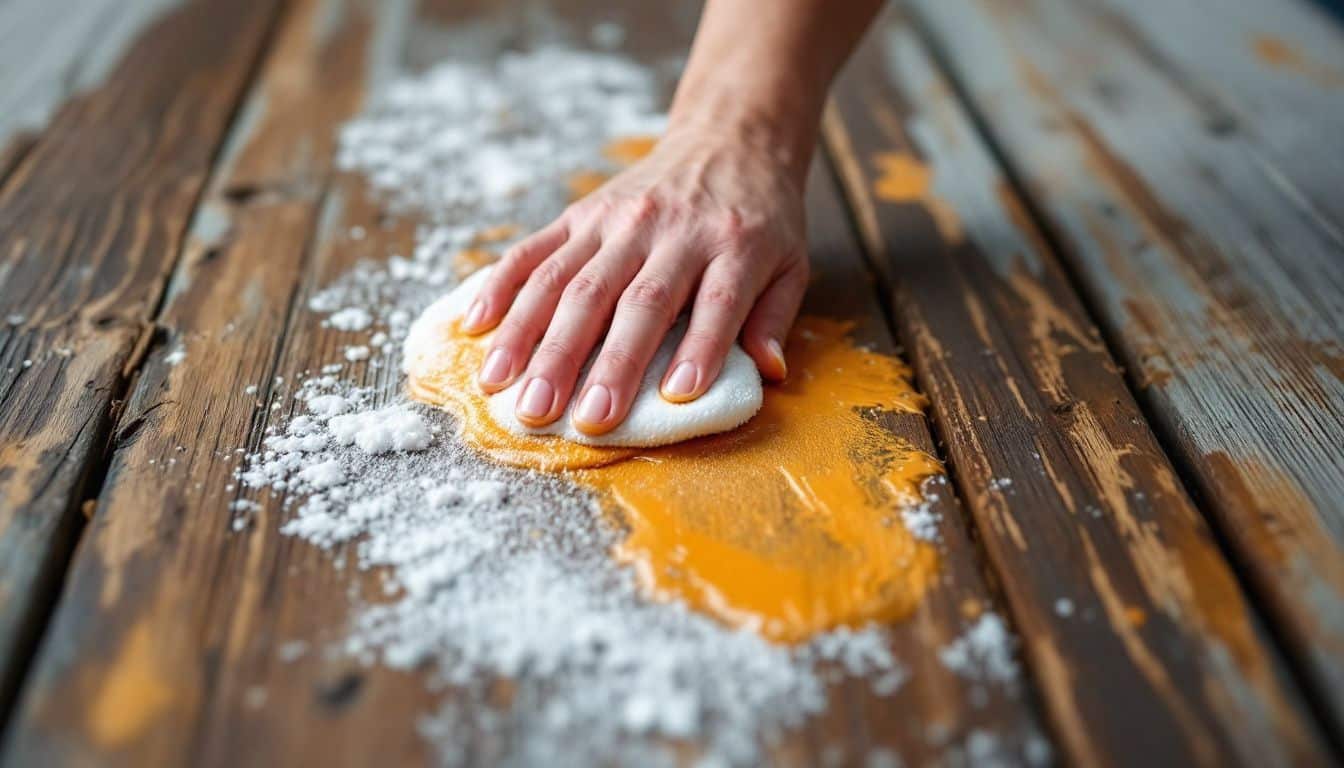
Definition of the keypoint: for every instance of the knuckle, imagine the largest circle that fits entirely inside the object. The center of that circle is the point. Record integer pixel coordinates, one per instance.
(618, 359)
(649, 294)
(553, 354)
(587, 290)
(702, 340)
(641, 210)
(548, 277)
(722, 296)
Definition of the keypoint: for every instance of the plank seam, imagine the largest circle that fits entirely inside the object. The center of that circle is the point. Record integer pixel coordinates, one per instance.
(1161, 427)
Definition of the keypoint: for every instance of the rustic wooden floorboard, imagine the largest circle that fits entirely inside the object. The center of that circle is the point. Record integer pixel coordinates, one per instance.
(1141, 641)
(1196, 201)
(90, 224)
(170, 623)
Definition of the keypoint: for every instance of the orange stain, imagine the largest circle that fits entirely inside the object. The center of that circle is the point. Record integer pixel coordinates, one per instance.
(628, 149)
(788, 525)
(134, 694)
(903, 179)
(471, 259)
(1277, 53)
(583, 182)
(495, 234)
(623, 152)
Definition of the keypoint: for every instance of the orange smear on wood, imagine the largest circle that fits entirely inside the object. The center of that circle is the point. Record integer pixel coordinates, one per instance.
(902, 178)
(495, 234)
(471, 259)
(623, 151)
(627, 150)
(788, 525)
(584, 182)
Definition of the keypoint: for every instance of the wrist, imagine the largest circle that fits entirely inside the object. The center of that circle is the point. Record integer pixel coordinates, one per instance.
(786, 133)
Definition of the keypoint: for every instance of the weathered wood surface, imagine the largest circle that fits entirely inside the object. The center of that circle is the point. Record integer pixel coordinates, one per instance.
(90, 225)
(51, 51)
(170, 624)
(1192, 183)
(1141, 642)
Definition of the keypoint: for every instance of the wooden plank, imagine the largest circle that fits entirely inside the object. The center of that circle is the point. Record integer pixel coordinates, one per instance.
(50, 52)
(1216, 271)
(162, 598)
(1137, 632)
(1269, 71)
(90, 224)
(131, 667)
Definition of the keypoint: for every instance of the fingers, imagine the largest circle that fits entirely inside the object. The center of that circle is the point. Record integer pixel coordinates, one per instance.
(768, 325)
(727, 291)
(644, 313)
(500, 288)
(531, 313)
(585, 306)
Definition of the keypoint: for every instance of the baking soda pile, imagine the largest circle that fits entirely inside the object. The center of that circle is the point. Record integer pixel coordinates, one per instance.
(490, 573)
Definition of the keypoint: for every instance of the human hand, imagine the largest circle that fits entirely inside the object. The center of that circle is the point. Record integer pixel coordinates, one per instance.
(708, 219)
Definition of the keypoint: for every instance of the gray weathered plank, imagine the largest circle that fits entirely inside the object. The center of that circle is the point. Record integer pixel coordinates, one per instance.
(1143, 646)
(90, 225)
(50, 52)
(1211, 256)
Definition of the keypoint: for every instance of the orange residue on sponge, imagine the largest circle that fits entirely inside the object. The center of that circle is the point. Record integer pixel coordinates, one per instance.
(788, 525)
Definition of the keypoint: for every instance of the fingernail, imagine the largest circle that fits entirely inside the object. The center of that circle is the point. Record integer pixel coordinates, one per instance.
(536, 400)
(594, 406)
(496, 368)
(682, 381)
(475, 314)
(777, 352)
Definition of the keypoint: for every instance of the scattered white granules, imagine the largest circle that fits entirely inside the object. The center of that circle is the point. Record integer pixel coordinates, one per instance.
(1064, 607)
(490, 572)
(397, 428)
(178, 354)
(250, 389)
(323, 475)
(328, 405)
(355, 354)
(983, 652)
(350, 319)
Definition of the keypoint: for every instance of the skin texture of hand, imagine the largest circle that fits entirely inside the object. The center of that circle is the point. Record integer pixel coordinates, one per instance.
(710, 221)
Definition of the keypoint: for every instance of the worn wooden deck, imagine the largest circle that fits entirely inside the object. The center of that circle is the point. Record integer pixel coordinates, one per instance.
(1122, 288)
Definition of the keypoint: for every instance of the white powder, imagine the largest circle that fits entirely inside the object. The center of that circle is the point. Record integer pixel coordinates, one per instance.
(355, 354)
(351, 319)
(328, 405)
(983, 652)
(323, 475)
(495, 573)
(173, 358)
(397, 428)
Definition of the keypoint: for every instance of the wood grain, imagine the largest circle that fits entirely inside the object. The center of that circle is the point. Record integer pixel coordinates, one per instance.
(1208, 243)
(49, 52)
(162, 599)
(162, 596)
(90, 224)
(1143, 646)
